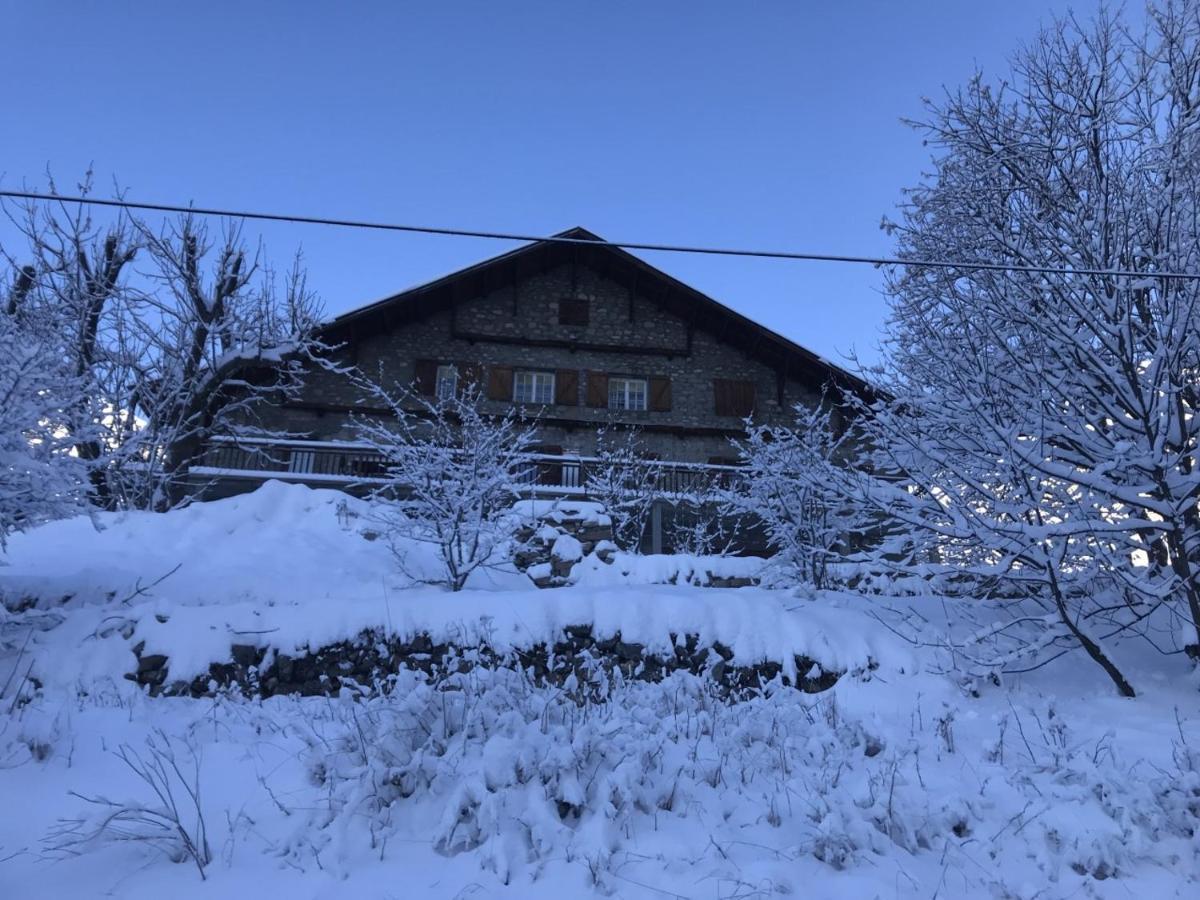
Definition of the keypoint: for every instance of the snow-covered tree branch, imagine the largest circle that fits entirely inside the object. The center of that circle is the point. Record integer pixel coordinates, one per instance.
(1046, 423)
(453, 476)
(167, 355)
(796, 483)
(623, 483)
(39, 478)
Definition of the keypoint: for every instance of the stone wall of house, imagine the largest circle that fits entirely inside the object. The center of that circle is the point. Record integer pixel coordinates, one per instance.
(530, 310)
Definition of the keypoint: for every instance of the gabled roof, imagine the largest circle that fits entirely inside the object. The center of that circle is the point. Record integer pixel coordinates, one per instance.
(582, 247)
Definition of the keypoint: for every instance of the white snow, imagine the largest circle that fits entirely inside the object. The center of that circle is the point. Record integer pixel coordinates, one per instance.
(895, 783)
(288, 567)
(567, 548)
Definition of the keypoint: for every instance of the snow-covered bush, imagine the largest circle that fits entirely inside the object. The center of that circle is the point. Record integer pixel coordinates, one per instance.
(624, 483)
(454, 474)
(39, 478)
(515, 776)
(700, 527)
(793, 483)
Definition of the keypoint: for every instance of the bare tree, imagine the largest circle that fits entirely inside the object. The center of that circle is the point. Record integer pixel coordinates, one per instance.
(218, 345)
(453, 476)
(78, 267)
(169, 356)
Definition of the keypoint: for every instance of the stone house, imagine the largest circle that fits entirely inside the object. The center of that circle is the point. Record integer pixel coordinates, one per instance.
(582, 333)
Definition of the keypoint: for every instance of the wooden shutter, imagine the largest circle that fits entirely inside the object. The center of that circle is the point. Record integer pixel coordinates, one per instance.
(500, 383)
(566, 387)
(572, 311)
(660, 394)
(733, 398)
(746, 401)
(597, 389)
(425, 377)
(722, 402)
(468, 374)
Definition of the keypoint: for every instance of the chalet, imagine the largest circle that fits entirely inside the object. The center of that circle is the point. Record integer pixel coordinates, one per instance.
(583, 333)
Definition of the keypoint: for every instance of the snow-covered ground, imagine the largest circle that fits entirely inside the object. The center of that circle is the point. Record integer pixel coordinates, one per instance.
(895, 783)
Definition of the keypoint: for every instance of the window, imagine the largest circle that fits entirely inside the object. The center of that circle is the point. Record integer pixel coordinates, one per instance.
(533, 387)
(626, 393)
(572, 311)
(447, 382)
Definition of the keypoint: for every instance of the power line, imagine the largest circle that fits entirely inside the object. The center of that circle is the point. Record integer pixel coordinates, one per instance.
(624, 245)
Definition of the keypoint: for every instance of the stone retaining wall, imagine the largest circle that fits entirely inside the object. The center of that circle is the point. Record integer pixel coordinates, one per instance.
(365, 664)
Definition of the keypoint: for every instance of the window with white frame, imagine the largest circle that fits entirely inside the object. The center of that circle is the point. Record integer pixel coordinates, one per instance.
(533, 387)
(626, 393)
(447, 382)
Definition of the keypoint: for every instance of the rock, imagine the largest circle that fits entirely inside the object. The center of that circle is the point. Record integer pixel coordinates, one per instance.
(151, 663)
(246, 655)
(561, 568)
(566, 549)
(730, 581)
(629, 651)
(283, 666)
(605, 551)
(594, 534)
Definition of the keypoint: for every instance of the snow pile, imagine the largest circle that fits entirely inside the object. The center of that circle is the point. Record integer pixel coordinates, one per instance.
(757, 625)
(276, 545)
(632, 569)
(291, 569)
(567, 548)
(559, 511)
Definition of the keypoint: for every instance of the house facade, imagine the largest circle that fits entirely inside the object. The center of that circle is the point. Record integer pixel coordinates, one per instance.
(582, 334)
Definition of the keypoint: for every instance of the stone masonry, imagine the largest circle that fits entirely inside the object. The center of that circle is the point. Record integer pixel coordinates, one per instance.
(690, 431)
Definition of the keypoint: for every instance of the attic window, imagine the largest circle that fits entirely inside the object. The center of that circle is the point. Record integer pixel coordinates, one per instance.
(572, 311)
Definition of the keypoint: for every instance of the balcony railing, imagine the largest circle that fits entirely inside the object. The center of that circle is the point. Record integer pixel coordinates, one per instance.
(338, 464)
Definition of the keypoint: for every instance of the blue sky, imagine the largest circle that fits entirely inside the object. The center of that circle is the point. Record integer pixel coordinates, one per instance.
(774, 125)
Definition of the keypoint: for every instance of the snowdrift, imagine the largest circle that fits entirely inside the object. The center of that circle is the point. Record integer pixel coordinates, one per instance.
(896, 782)
(290, 569)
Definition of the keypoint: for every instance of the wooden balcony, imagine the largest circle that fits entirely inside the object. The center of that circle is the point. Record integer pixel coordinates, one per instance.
(232, 465)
